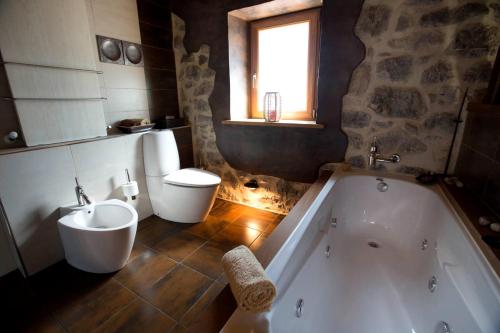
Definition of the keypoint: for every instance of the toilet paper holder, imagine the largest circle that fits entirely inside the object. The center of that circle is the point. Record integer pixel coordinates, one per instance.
(130, 189)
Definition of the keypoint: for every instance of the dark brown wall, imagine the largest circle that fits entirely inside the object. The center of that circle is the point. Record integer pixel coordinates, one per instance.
(8, 116)
(290, 153)
(184, 141)
(478, 164)
(159, 63)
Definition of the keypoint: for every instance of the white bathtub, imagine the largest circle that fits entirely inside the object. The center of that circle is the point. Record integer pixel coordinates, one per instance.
(360, 288)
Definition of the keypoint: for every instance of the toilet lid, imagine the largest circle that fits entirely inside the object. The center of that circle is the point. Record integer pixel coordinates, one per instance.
(192, 177)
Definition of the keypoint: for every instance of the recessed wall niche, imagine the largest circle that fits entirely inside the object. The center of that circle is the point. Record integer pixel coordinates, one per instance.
(238, 31)
(275, 151)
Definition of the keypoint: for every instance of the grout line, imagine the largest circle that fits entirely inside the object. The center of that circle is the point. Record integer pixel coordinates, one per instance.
(58, 322)
(154, 25)
(192, 306)
(145, 300)
(481, 153)
(176, 262)
(117, 312)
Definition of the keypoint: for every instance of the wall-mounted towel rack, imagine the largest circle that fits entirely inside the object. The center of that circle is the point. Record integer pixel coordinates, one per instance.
(54, 99)
(52, 67)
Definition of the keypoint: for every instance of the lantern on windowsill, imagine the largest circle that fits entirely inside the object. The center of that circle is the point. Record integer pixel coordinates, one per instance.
(272, 106)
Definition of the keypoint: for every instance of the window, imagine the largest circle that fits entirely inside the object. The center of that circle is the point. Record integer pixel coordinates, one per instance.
(284, 59)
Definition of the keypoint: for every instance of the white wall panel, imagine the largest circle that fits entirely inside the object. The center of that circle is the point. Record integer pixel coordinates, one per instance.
(39, 82)
(101, 165)
(46, 32)
(126, 100)
(123, 77)
(46, 122)
(33, 185)
(117, 18)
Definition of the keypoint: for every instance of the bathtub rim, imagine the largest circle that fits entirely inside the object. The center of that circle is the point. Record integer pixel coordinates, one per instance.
(483, 251)
(488, 268)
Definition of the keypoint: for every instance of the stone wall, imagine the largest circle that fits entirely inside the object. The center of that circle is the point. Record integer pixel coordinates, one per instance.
(195, 84)
(421, 55)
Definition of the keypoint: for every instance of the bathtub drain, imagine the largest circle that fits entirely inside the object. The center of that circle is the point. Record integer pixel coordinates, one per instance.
(373, 244)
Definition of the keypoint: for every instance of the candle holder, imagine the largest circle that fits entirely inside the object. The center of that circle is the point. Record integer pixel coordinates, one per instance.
(272, 106)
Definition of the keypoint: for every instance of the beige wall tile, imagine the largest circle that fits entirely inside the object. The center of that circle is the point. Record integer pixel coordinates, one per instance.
(117, 19)
(46, 122)
(36, 32)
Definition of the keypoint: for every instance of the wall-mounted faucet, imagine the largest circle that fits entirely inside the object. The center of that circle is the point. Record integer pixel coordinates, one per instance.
(374, 156)
(82, 198)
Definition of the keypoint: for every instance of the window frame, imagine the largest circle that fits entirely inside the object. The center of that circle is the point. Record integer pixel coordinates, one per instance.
(313, 17)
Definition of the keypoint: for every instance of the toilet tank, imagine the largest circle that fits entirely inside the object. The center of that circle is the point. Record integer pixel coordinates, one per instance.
(161, 156)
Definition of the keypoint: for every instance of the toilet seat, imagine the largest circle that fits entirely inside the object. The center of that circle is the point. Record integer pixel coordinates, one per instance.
(192, 177)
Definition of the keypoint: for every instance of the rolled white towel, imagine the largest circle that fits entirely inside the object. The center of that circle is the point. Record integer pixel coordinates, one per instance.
(251, 287)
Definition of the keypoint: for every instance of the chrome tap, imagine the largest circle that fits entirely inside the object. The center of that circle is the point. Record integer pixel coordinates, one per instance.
(374, 156)
(82, 198)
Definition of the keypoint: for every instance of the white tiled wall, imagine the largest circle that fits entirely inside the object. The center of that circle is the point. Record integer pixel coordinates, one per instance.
(34, 184)
(123, 86)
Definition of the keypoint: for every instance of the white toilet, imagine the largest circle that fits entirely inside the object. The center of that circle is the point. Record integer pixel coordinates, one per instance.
(177, 195)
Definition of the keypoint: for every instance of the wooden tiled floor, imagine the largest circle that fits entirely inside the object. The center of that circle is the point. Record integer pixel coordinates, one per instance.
(173, 274)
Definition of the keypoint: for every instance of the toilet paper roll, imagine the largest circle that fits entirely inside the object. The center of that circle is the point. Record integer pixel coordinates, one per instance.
(130, 189)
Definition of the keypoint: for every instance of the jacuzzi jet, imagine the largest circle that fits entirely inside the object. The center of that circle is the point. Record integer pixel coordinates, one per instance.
(373, 244)
(432, 284)
(298, 308)
(327, 251)
(443, 327)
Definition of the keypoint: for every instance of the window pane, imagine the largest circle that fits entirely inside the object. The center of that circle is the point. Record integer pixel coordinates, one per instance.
(283, 60)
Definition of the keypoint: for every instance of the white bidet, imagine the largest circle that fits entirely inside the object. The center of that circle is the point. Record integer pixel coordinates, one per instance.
(98, 237)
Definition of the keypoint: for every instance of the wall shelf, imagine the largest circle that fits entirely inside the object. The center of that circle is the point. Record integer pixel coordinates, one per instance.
(282, 123)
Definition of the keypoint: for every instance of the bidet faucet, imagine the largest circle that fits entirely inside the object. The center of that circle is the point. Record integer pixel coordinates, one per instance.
(374, 156)
(82, 198)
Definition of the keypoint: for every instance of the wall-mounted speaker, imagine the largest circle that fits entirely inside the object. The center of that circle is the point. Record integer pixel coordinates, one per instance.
(133, 54)
(110, 50)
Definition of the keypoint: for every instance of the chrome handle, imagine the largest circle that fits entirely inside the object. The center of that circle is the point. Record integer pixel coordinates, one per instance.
(254, 78)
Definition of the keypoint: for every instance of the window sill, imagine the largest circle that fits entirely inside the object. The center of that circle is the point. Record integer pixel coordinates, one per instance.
(282, 123)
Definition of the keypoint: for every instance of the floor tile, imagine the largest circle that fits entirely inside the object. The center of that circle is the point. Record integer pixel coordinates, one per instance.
(258, 242)
(62, 298)
(192, 316)
(208, 228)
(254, 222)
(179, 245)
(86, 314)
(154, 231)
(236, 235)
(175, 293)
(207, 259)
(139, 317)
(178, 329)
(144, 271)
(40, 324)
(138, 250)
(228, 210)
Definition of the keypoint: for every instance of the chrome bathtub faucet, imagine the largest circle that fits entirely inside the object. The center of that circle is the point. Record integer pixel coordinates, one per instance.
(82, 198)
(374, 156)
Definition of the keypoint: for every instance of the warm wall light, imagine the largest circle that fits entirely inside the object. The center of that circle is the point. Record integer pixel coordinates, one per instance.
(252, 184)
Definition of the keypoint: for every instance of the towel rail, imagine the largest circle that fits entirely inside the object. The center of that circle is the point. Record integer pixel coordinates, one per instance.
(52, 67)
(54, 99)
